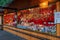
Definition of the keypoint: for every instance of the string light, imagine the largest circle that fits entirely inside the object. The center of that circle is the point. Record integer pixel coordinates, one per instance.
(44, 4)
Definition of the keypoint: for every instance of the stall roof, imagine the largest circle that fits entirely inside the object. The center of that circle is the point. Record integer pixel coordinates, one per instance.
(27, 3)
(22, 4)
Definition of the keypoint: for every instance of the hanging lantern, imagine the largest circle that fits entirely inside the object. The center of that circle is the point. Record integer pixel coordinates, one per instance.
(44, 4)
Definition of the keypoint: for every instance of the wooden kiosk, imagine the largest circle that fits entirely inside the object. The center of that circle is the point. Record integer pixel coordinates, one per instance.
(18, 32)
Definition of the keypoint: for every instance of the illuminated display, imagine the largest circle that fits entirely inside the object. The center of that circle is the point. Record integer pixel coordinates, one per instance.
(37, 19)
(9, 19)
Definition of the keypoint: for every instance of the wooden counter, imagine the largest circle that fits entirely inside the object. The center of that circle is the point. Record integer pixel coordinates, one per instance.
(30, 32)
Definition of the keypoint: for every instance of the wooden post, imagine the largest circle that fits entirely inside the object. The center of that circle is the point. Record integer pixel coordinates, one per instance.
(58, 29)
(58, 6)
(58, 24)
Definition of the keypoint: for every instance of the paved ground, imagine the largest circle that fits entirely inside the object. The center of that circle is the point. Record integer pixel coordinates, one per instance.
(8, 36)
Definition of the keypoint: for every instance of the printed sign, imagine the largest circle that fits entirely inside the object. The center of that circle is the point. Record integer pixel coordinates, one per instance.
(57, 17)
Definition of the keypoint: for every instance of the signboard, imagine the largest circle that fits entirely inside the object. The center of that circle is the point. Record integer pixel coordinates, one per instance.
(57, 17)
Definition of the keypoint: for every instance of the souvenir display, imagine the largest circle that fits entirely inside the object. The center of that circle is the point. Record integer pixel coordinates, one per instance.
(37, 19)
(10, 19)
